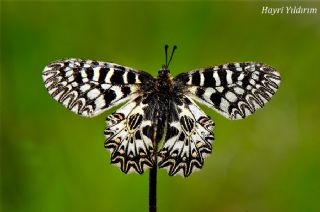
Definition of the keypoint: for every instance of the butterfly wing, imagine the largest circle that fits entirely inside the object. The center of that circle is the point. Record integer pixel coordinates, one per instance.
(129, 137)
(235, 90)
(89, 87)
(188, 138)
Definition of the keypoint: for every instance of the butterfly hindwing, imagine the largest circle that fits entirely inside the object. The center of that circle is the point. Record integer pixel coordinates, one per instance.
(89, 87)
(188, 139)
(236, 90)
(129, 137)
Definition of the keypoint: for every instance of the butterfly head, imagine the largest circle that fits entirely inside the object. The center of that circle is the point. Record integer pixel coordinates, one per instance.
(164, 71)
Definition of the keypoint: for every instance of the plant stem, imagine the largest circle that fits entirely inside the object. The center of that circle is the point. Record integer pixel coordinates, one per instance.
(153, 189)
(153, 170)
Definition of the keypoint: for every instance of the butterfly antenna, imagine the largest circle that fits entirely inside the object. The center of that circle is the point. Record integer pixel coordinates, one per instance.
(173, 50)
(166, 52)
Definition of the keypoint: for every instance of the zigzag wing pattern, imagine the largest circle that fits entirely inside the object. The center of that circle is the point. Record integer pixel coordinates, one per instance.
(128, 137)
(188, 139)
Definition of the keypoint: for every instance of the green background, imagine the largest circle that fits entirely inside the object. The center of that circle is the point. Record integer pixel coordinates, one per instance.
(54, 160)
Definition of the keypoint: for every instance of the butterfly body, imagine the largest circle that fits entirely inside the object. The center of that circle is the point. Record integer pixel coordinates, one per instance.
(161, 108)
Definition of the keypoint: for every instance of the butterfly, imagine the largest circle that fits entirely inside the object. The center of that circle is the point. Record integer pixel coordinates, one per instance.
(160, 111)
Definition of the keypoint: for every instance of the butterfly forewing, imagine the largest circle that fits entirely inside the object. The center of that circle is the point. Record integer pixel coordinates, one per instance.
(89, 87)
(236, 90)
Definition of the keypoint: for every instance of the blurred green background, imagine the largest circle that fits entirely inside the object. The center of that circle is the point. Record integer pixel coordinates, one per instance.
(54, 160)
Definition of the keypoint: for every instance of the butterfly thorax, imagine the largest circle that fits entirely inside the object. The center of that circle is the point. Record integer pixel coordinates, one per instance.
(164, 81)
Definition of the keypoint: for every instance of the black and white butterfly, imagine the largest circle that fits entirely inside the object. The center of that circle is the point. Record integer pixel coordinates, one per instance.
(160, 108)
